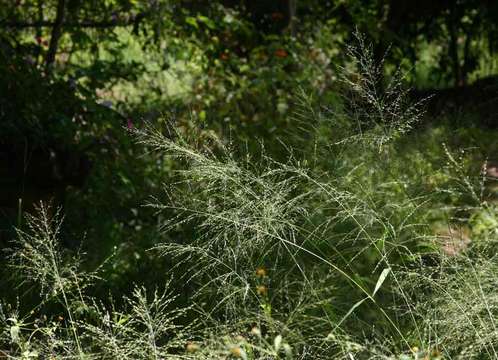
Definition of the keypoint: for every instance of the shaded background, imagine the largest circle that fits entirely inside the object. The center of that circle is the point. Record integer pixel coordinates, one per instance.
(74, 75)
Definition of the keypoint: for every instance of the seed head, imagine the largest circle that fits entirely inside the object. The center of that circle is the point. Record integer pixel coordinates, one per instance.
(192, 347)
(256, 331)
(236, 351)
(261, 290)
(261, 272)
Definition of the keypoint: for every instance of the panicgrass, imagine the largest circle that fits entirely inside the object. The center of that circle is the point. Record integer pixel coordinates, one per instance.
(329, 254)
(39, 260)
(380, 110)
(147, 330)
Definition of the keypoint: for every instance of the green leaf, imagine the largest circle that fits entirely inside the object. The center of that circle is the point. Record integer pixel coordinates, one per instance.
(123, 319)
(380, 281)
(192, 21)
(351, 311)
(207, 21)
(202, 115)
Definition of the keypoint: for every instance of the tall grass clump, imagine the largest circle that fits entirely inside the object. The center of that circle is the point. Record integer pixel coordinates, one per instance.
(379, 109)
(146, 328)
(67, 321)
(315, 250)
(457, 304)
(294, 248)
(39, 260)
(355, 246)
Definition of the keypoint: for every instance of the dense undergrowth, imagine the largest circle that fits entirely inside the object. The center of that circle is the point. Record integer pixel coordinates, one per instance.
(363, 241)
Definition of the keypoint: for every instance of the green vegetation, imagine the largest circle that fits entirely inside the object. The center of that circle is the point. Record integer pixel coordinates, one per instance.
(248, 180)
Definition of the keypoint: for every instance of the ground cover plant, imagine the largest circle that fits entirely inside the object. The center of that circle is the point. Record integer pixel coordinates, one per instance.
(358, 245)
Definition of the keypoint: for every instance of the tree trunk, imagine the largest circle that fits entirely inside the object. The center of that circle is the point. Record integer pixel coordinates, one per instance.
(292, 17)
(56, 35)
(39, 31)
(466, 59)
(453, 49)
(272, 17)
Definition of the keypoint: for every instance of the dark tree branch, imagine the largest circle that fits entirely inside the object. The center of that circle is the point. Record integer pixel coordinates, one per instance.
(56, 34)
(292, 17)
(79, 24)
(453, 46)
(39, 29)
